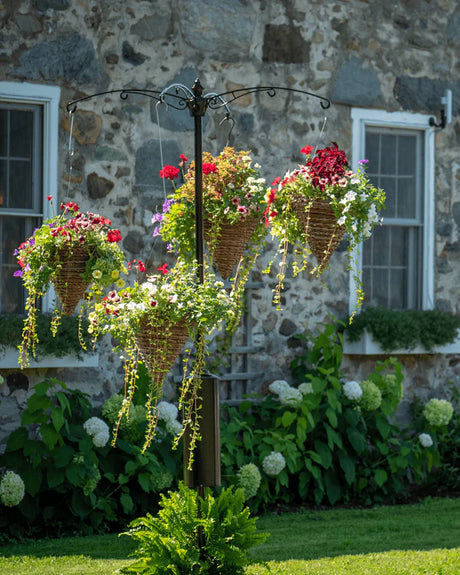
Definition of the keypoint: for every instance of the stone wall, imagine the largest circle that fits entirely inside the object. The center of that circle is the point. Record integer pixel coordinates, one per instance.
(393, 56)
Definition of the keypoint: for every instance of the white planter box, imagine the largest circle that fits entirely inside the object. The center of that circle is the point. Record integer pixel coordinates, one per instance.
(368, 346)
(9, 360)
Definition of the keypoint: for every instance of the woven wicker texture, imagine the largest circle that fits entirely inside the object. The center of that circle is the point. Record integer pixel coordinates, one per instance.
(69, 284)
(322, 230)
(232, 241)
(160, 346)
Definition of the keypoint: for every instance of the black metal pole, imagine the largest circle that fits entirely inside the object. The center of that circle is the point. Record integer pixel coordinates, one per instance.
(206, 468)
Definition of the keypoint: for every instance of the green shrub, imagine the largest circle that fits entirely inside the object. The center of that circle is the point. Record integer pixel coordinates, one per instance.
(192, 534)
(326, 440)
(67, 341)
(395, 329)
(74, 479)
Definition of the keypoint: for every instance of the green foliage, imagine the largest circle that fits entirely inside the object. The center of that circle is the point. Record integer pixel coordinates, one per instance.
(335, 451)
(72, 485)
(67, 340)
(405, 328)
(169, 543)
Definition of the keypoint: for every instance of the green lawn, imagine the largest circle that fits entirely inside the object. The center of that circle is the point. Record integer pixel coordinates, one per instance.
(394, 540)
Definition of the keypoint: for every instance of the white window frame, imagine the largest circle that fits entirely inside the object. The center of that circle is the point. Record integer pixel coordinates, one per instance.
(49, 98)
(362, 118)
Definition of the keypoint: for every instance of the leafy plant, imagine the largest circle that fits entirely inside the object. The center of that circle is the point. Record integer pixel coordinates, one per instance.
(327, 439)
(73, 482)
(395, 329)
(66, 341)
(192, 534)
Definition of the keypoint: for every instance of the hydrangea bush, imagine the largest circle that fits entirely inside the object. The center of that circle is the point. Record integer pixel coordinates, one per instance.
(326, 438)
(69, 477)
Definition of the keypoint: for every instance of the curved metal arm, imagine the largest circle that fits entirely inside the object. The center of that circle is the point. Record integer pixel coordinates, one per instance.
(270, 90)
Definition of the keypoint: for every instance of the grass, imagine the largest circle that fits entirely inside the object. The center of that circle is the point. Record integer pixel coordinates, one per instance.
(422, 539)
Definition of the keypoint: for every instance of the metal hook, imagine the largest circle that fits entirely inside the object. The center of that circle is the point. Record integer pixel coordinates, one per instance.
(228, 118)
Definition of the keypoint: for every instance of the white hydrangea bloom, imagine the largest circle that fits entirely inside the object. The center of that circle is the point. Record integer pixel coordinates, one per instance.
(12, 489)
(425, 440)
(167, 411)
(278, 386)
(98, 430)
(274, 463)
(291, 397)
(305, 388)
(352, 390)
(101, 438)
(173, 426)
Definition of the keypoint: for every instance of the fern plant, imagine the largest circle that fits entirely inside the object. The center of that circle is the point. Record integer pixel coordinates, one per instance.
(195, 535)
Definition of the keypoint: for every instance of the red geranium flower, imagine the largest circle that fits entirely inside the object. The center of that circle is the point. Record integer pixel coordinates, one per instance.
(169, 172)
(163, 269)
(209, 169)
(183, 158)
(113, 236)
(307, 150)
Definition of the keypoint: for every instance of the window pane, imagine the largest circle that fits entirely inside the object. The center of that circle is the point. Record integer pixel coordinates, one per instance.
(21, 133)
(399, 246)
(13, 231)
(381, 246)
(407, 207)
(3, 194)
(372, 153)
(20, 195)
(388, 185)
(407, 155)
(388, 154)
(3, 132)
(398, 299)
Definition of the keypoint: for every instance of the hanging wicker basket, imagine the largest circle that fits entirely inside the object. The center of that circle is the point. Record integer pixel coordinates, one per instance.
(69, 283)
(231, 243)
(323, 233)
(159, 346)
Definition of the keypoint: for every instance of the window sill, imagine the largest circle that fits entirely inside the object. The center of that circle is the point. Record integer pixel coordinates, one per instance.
(9, 360)
(368, 346)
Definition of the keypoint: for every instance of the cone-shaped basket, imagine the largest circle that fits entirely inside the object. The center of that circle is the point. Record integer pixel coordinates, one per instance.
(322, 230)
(231, 243)
(159, 346)
(69, 283)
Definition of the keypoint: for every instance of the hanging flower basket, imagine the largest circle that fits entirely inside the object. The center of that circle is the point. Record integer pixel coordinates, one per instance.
(322, 231)
(69, 282)
(72, 251)
(159, 346)
(230, 242)
(316, 204)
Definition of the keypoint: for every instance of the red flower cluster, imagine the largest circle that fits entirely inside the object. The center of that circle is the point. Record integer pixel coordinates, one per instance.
(328, 164)
(139, 264)
(169, 172)
(209, 169)
(163, 269)
(113, 236)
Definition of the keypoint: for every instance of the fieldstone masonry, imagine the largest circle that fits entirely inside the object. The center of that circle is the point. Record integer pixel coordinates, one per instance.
(392, 56)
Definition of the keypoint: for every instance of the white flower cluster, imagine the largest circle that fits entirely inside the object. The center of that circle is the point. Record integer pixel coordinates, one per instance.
(425, 440)
(305, 388)
(168, 412)
(98, 430)
(352, 390)
(12, 489)
(289, 396)
(274, 463)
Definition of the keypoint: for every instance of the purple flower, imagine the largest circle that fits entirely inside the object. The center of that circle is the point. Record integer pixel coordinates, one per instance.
(18, 273)
(156, 232)
(157, 218)
(363, 162)
(167, 204)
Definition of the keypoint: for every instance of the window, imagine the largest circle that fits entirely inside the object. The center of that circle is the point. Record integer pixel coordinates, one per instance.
(28, 173)
(396, 263)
